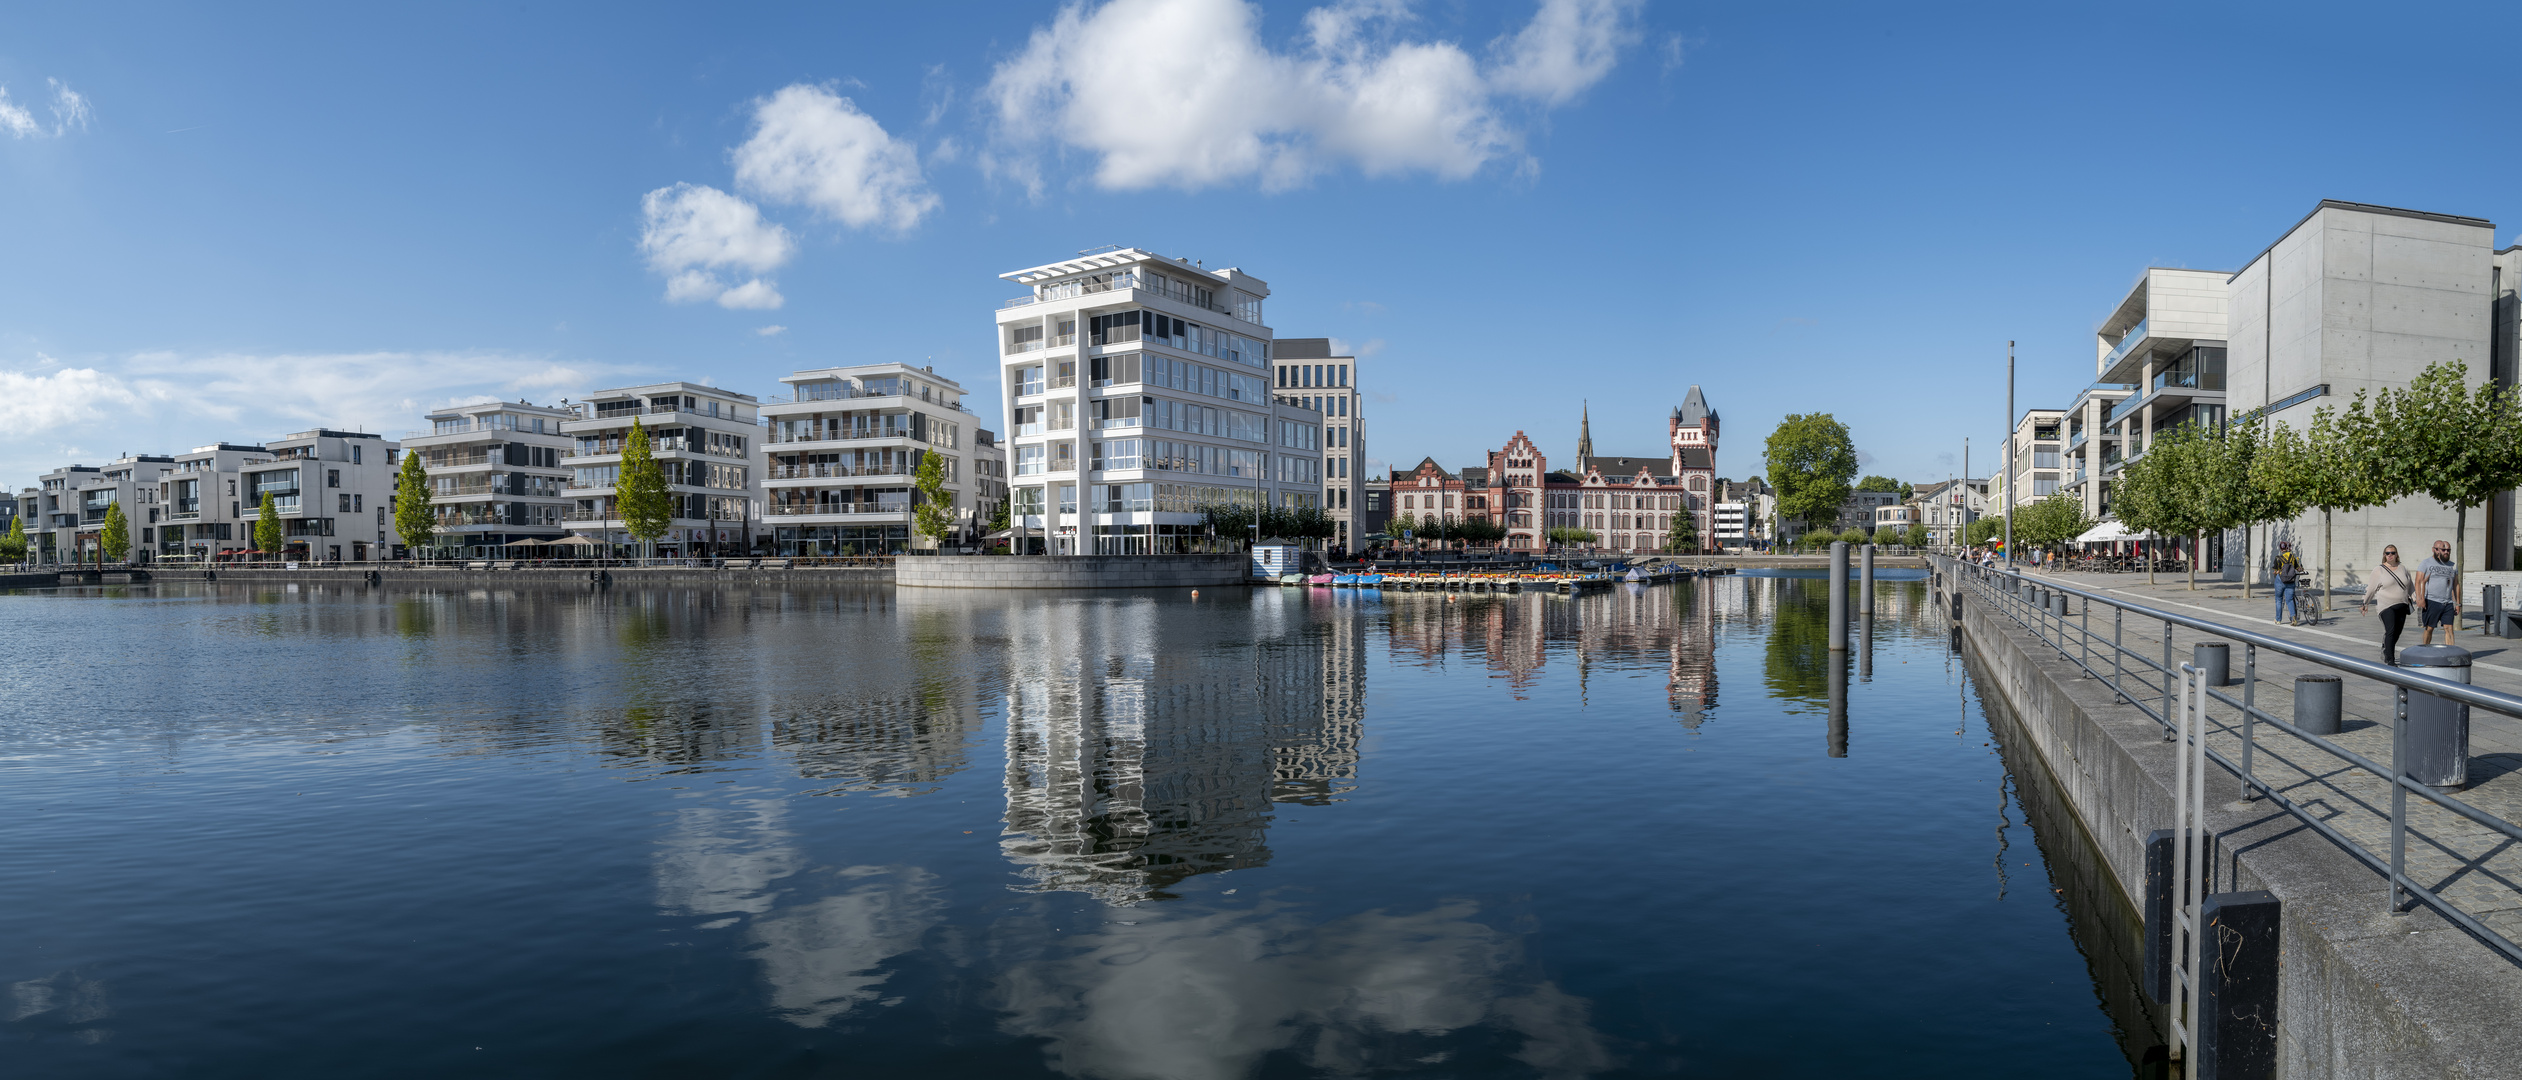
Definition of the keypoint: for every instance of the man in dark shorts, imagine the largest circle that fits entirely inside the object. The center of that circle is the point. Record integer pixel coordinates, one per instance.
(2439, 584)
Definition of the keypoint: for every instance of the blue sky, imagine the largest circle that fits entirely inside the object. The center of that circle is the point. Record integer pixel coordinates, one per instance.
(230, 224)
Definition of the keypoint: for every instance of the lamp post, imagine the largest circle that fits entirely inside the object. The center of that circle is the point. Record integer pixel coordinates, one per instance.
(2009, 455)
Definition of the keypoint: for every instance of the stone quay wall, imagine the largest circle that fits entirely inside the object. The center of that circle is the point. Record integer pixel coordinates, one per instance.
(393, 577)
(1074, 571)
(2362, 993)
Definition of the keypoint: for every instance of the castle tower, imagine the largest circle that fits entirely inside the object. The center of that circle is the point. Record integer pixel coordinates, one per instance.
(1694, 431)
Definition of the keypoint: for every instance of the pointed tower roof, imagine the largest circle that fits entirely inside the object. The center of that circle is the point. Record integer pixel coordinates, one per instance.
(1694, 407)
(1585, 437)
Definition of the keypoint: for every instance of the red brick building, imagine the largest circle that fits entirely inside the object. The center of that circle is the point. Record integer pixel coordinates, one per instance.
(1627, 502)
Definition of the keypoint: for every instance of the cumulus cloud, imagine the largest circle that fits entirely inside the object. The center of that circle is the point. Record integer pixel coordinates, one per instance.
(1233, 109)
(692, 232)
(814, 148)
(69, 107)
(773, 330)
(164, 402)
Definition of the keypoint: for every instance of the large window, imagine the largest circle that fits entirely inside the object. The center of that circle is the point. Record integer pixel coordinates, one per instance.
(1029, 461)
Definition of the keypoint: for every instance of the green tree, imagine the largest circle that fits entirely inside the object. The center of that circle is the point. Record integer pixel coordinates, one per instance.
(115, 537)
(2330, 467)
(1571, 536)
(1874, 482)
(2052, 522)
(2450, 442)
(639, 494)
(1681, 535)
(1810, 461)
(1984, 530)
(1916, 536)
(1886, 535)
(415, 518)
(934, 517)
(13, 546)
(269, 537)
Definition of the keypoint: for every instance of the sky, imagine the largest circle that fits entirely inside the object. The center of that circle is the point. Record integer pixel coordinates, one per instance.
(232, 222)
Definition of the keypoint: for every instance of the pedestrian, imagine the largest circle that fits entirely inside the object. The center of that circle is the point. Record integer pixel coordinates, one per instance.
(2441, 582)
(2392, 587)
(2286, 572)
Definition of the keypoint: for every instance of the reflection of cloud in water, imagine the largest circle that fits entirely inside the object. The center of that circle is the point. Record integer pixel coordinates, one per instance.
(62, 1002)
(1209, 997)
(821, 959)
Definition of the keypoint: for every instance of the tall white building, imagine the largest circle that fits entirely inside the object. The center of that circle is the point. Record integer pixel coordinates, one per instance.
(841, 456)
(703, 436)
(495, 473)
(131, 482)
(1138, 391)
(1309, 372)
(51, 509)
(205, 514)
(333, 492)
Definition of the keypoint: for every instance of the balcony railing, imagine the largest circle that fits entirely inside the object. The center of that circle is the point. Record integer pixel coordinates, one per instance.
(813, 509)
(2136, 336)
(810, 472)
(454, 461)
(851, 434)
(183, 515)
(1063, 382)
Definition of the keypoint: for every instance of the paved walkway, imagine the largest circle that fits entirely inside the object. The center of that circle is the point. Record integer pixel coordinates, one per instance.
(2475, 868)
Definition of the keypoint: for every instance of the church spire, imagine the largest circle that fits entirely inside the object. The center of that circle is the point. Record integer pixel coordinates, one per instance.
(1585, 440)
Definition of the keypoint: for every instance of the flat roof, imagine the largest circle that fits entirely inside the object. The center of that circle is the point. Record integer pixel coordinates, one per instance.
(659, 388)
(2368, 208)
(1089, 261)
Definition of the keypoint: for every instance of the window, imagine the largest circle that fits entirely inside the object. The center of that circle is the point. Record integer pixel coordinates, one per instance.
(1029, 380)
(345, 505)
(332, 478)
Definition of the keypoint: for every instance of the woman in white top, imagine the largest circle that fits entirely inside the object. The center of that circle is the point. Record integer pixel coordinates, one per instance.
(2393, 587)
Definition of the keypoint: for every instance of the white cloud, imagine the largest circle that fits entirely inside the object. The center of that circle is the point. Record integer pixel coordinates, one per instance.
(691, 231)
(14, 118)
(169, 402)
(70, 110)
(1232, 109)
(814, 148)
(773, 330)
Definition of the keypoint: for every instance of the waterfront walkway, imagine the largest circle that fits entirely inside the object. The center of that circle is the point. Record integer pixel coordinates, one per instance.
(2474, 868)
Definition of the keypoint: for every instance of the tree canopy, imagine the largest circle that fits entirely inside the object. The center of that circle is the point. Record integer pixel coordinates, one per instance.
(115, 537)
(13, 546)
(1810, 460)
(268, 535)
(2448, 441)
(934, 517)
(415, 519)
(639, 493)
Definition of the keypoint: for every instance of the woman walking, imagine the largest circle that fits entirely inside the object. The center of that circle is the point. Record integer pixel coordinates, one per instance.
(2394, 588)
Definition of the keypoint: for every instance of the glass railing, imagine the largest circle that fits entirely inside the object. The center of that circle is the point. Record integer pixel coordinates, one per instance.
(2135, 337)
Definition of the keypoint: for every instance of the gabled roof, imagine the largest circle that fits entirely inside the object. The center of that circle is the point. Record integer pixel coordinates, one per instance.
(1694, 407)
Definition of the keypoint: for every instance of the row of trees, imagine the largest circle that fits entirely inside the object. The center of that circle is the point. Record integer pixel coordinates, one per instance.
(2440, 437)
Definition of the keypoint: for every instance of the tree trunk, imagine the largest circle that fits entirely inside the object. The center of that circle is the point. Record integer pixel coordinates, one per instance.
(2197, 545)
(2326, 587)
(2246, 561)
(2460, 559)
(2149, 558)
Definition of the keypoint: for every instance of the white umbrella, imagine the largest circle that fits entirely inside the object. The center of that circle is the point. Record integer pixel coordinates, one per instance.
(2107, 532)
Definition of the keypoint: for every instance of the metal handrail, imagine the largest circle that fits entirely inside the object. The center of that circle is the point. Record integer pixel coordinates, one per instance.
(2009, 602)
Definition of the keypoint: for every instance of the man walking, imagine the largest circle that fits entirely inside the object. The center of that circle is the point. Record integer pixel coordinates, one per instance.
(2440, 582)
(2286, 573)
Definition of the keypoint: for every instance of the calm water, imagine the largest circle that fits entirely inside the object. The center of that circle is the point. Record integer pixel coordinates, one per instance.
(260, 833)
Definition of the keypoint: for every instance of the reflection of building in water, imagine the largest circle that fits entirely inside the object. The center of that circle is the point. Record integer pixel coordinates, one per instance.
(1137, 758)
(903, 746)
(1670, 626)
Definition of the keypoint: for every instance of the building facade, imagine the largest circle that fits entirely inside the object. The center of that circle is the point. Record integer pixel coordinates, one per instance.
(1307, 370)
(2159, 362)
(2093, 446)
(130, 482)
(52, 519)
(841, 459)
(1947, 507)
(496, 474)
(205, 514)
(2038, 454)
(702, 436)
(333, 492)
(1139, 391)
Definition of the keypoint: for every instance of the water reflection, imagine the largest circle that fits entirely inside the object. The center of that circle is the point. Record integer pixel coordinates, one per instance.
(1514, 638)
(1209, 997)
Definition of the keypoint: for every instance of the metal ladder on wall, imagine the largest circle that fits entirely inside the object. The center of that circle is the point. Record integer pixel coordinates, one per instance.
(2190, 869)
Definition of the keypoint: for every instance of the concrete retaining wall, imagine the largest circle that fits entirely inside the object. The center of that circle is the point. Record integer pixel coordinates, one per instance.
(1073, 571)
(452, 578)
(2362, 993)
(29, 581)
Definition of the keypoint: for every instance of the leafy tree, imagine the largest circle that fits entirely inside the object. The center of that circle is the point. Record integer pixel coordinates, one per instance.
(934, 517)
(639, 495)
(268, 535)
(1873, 482)
(1810, 460)
(1480, 530)
(2450, 442)
(415, 520)
(1856, 535)
(1681, 535)
(2331, 468)
(13, 546)
(2052, 522)
(1570, 535)
(1917, 535)
(1984, 530)
(1886, 535)
(115, 537)
(998, 517)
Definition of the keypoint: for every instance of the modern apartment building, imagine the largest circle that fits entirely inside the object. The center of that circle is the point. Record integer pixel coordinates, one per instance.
(989, 478)
(131, 482)
(1947, 507)
(51, 509)
(2093, 446)
(1139, 390)
(2159, 360)
(841, 456)
(1308, 371)
(495, 474)
(2037, 460)
(333, 492)
(702, 436)
(205, 514)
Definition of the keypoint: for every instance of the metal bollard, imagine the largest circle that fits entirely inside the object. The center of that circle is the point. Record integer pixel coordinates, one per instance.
(2317, 706)
(1839, 596)
(2237, 986)
(1865, 579)
(2214, 660)
(2438, 728)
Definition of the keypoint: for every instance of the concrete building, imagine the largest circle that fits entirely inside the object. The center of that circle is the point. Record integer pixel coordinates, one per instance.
(1947, 507)
(842, 456)
(1899, 515)
(2159, 360)
(130, 482)
(205, 515)
(2093, 446)
(1139, 390)
(495, 474)
(52, 513)
(2037, 457)
(989, 478)
(1376, 519)
(1307, 370)
(333, 492)
(2359, 297)
(703, 436)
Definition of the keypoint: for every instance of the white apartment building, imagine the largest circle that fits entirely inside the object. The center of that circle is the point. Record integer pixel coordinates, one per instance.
(1947, 507)
(495, 474)
(332, 490)
(2159, 361)
(703, 436)
(841, 456)
(989, 478)
(1310, 374)
(131, 482)
(1730, 524)
(2038, 457)
(1138, 392)
(51, 509)
(205, 514)
(2093, 448)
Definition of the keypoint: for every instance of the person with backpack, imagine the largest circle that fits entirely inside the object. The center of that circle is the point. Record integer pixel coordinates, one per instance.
(2393, 588)
(2286, 573)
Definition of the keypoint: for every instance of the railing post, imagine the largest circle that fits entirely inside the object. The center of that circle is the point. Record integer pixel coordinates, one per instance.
(2399, 803)
(2250, 684)
(2167, 676)
(2118, 650)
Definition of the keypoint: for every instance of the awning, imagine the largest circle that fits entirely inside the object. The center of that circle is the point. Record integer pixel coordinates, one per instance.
(2106, 533)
